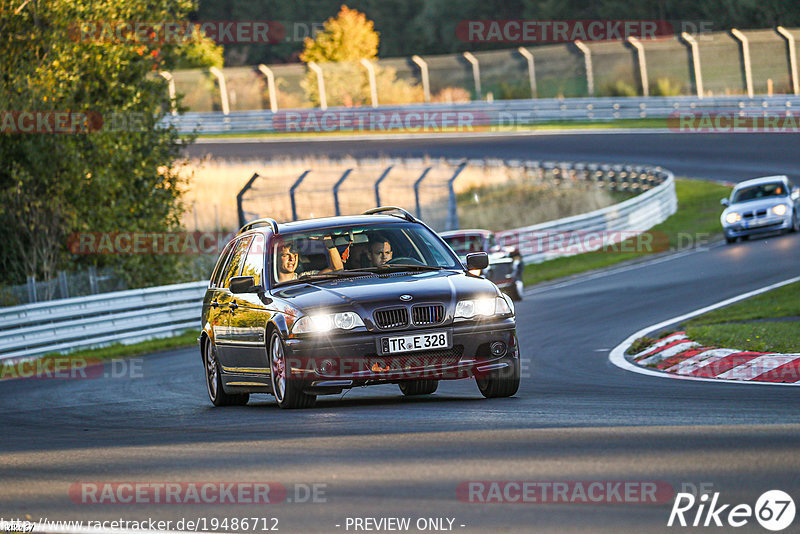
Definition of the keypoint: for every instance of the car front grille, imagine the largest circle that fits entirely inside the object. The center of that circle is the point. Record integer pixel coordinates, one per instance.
(417, 360)
(391, 318)
(426, 315)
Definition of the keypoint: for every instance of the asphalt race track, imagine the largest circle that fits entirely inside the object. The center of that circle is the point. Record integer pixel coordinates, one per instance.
(576, 417)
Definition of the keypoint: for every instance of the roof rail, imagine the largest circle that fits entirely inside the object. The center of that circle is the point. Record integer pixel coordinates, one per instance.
(383, 209)
(260, 222)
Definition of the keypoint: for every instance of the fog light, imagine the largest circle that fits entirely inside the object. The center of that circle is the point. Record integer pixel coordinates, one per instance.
(498, 348)
(326, 367)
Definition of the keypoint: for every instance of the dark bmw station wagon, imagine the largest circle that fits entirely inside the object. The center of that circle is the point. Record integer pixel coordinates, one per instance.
(313, 307)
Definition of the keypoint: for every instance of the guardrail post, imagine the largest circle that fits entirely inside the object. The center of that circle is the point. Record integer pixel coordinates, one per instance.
(171, 90)
(452, 211)
(694, 53)
(63, 287)
(476, 73)
(417, 183)
(792, 55)
(223, 89)
(373, 86)
(383, 175)
(336, 187)
(273, 94)
(295, 185)
(323, 100)
(531, 69)
(744, 47)
(426, 82)
(240, 198)
(642, 62)
(587, 59)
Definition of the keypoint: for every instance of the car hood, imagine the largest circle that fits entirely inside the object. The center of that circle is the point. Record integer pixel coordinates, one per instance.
(364, 294)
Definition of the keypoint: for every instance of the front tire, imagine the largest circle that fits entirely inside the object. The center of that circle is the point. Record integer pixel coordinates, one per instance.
(730, 240)
(795, 223)
(412, 388)
(288, 391)
(500, 382)
(216, 392)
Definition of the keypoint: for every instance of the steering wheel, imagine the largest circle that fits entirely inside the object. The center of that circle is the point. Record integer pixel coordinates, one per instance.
(404, 260)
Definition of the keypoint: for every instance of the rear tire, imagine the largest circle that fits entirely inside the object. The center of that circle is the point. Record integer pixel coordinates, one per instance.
(216, 392)
(288, 391)
(412, 388)
(500, 382)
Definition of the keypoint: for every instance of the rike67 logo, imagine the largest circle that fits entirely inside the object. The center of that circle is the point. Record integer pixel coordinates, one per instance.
(774, 510)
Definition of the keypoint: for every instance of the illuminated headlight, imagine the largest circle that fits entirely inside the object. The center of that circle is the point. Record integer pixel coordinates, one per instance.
(780, 209)
(732, 217)
(467, 309)
(324, 323)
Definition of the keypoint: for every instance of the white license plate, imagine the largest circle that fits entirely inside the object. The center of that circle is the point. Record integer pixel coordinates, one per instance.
(426, 341)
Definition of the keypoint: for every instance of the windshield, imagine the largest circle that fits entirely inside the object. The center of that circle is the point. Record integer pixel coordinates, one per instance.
(757, 192)
(465, 243)
(346, 251)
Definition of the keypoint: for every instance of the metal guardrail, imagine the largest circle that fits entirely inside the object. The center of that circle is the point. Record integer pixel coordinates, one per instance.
(84, 322)
(500, 115)
(606, 226)
(135, 315)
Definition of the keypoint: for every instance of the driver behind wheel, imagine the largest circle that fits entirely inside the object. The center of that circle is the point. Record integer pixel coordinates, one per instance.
(379, 251)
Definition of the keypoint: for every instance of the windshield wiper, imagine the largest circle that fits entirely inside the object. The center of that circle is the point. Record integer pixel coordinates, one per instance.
(332, 275)
(404, 267)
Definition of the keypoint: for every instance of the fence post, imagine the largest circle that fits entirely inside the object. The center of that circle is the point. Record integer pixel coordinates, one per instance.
(93, 289)
(373, 86)
(31, 283)
(476, 73)
(63, 288)
(378, 183)
(171, 90)
(336, 190)
(694, 52)
(240, 199)
(531, 69)
(792, 57)
(223, 90)
(295, 185)
(642, 61)
(273, 95)
(587, 60)
(426, 82)
(417, 183)
(323, 100)
(452, 212)
(744, 46)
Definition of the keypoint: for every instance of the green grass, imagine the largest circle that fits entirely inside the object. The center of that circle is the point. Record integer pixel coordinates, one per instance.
(729, 327)
(118, 350)
(695, 222)
(756, 337)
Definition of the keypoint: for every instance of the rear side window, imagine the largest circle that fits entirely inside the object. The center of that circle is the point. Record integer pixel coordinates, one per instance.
(237, 259)
(222, 262)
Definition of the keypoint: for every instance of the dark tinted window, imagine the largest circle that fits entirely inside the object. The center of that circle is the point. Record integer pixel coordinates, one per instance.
(760, 191)
(237, 259)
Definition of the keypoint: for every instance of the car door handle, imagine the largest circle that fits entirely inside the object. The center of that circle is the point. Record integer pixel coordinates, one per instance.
(233, 306)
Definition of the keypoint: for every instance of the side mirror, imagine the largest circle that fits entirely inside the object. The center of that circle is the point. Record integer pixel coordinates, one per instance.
(725, 202)
(477, 260)
(244, 284)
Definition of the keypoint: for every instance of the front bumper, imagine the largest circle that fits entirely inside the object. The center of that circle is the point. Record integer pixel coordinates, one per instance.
(346, 360)
(758, 226)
